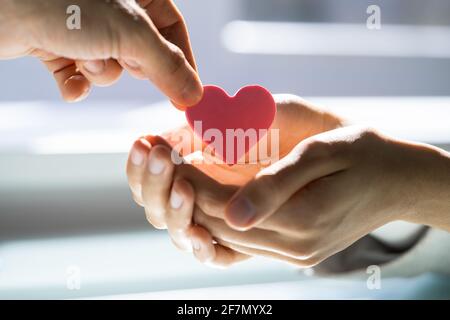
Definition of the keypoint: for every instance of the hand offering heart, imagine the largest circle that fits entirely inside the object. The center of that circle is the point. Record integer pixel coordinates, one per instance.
(232, 125)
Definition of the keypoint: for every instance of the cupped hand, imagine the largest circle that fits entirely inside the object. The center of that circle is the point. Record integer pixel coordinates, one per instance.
(295, 120)
(328, 192)
(331, 190)
(148, 38)
(150, 171)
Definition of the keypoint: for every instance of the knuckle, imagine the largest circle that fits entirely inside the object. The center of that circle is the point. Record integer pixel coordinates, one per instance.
(309, 263)
(180, 71)
(175, 224)
(315, 149)
(364, 133)
(304, 251)
(299, 252)
(369, 134)
(199, 218)
(315, 260)
(152, 199)
(311, 210)
(147, 194)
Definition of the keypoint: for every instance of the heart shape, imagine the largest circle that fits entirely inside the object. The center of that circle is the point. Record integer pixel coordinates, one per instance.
(220, 120)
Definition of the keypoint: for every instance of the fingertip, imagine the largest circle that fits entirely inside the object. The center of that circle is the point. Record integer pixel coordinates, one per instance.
(76, 88)
(167, 67)
(202, 244)
(178, 106)
(191, 94)
(139, 152)
(157, 140)
(162, 153)
(158, 224)
(142, 144)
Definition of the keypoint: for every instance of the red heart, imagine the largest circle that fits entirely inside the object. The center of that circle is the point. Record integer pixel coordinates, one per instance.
(253, 107)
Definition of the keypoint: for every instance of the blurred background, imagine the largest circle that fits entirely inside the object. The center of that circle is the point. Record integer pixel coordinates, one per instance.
(65, 209)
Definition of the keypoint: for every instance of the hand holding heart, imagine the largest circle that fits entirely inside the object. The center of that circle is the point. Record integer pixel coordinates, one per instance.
(295, 119)
(327, 192)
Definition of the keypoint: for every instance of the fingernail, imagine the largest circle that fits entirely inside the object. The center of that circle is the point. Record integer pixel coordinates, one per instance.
(132, 64)
(71, 81)
(156, 166)
(95, 66)
(75, 77)
(196, 245)
(83, 95)
(176, 201)
(242, 211)
(137, 157)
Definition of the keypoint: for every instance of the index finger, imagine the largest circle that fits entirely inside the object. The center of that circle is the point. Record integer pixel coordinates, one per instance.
(144, 48)
(170, 24)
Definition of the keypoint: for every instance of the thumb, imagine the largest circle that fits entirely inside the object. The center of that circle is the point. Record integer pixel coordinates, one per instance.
(273, 186)
(161, 61)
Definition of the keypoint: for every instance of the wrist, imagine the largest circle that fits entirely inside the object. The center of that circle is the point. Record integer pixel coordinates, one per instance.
(431, 187)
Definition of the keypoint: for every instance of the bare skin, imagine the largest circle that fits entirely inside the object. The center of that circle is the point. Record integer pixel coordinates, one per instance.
(150, 41)
(332, 186)
(328, 191)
